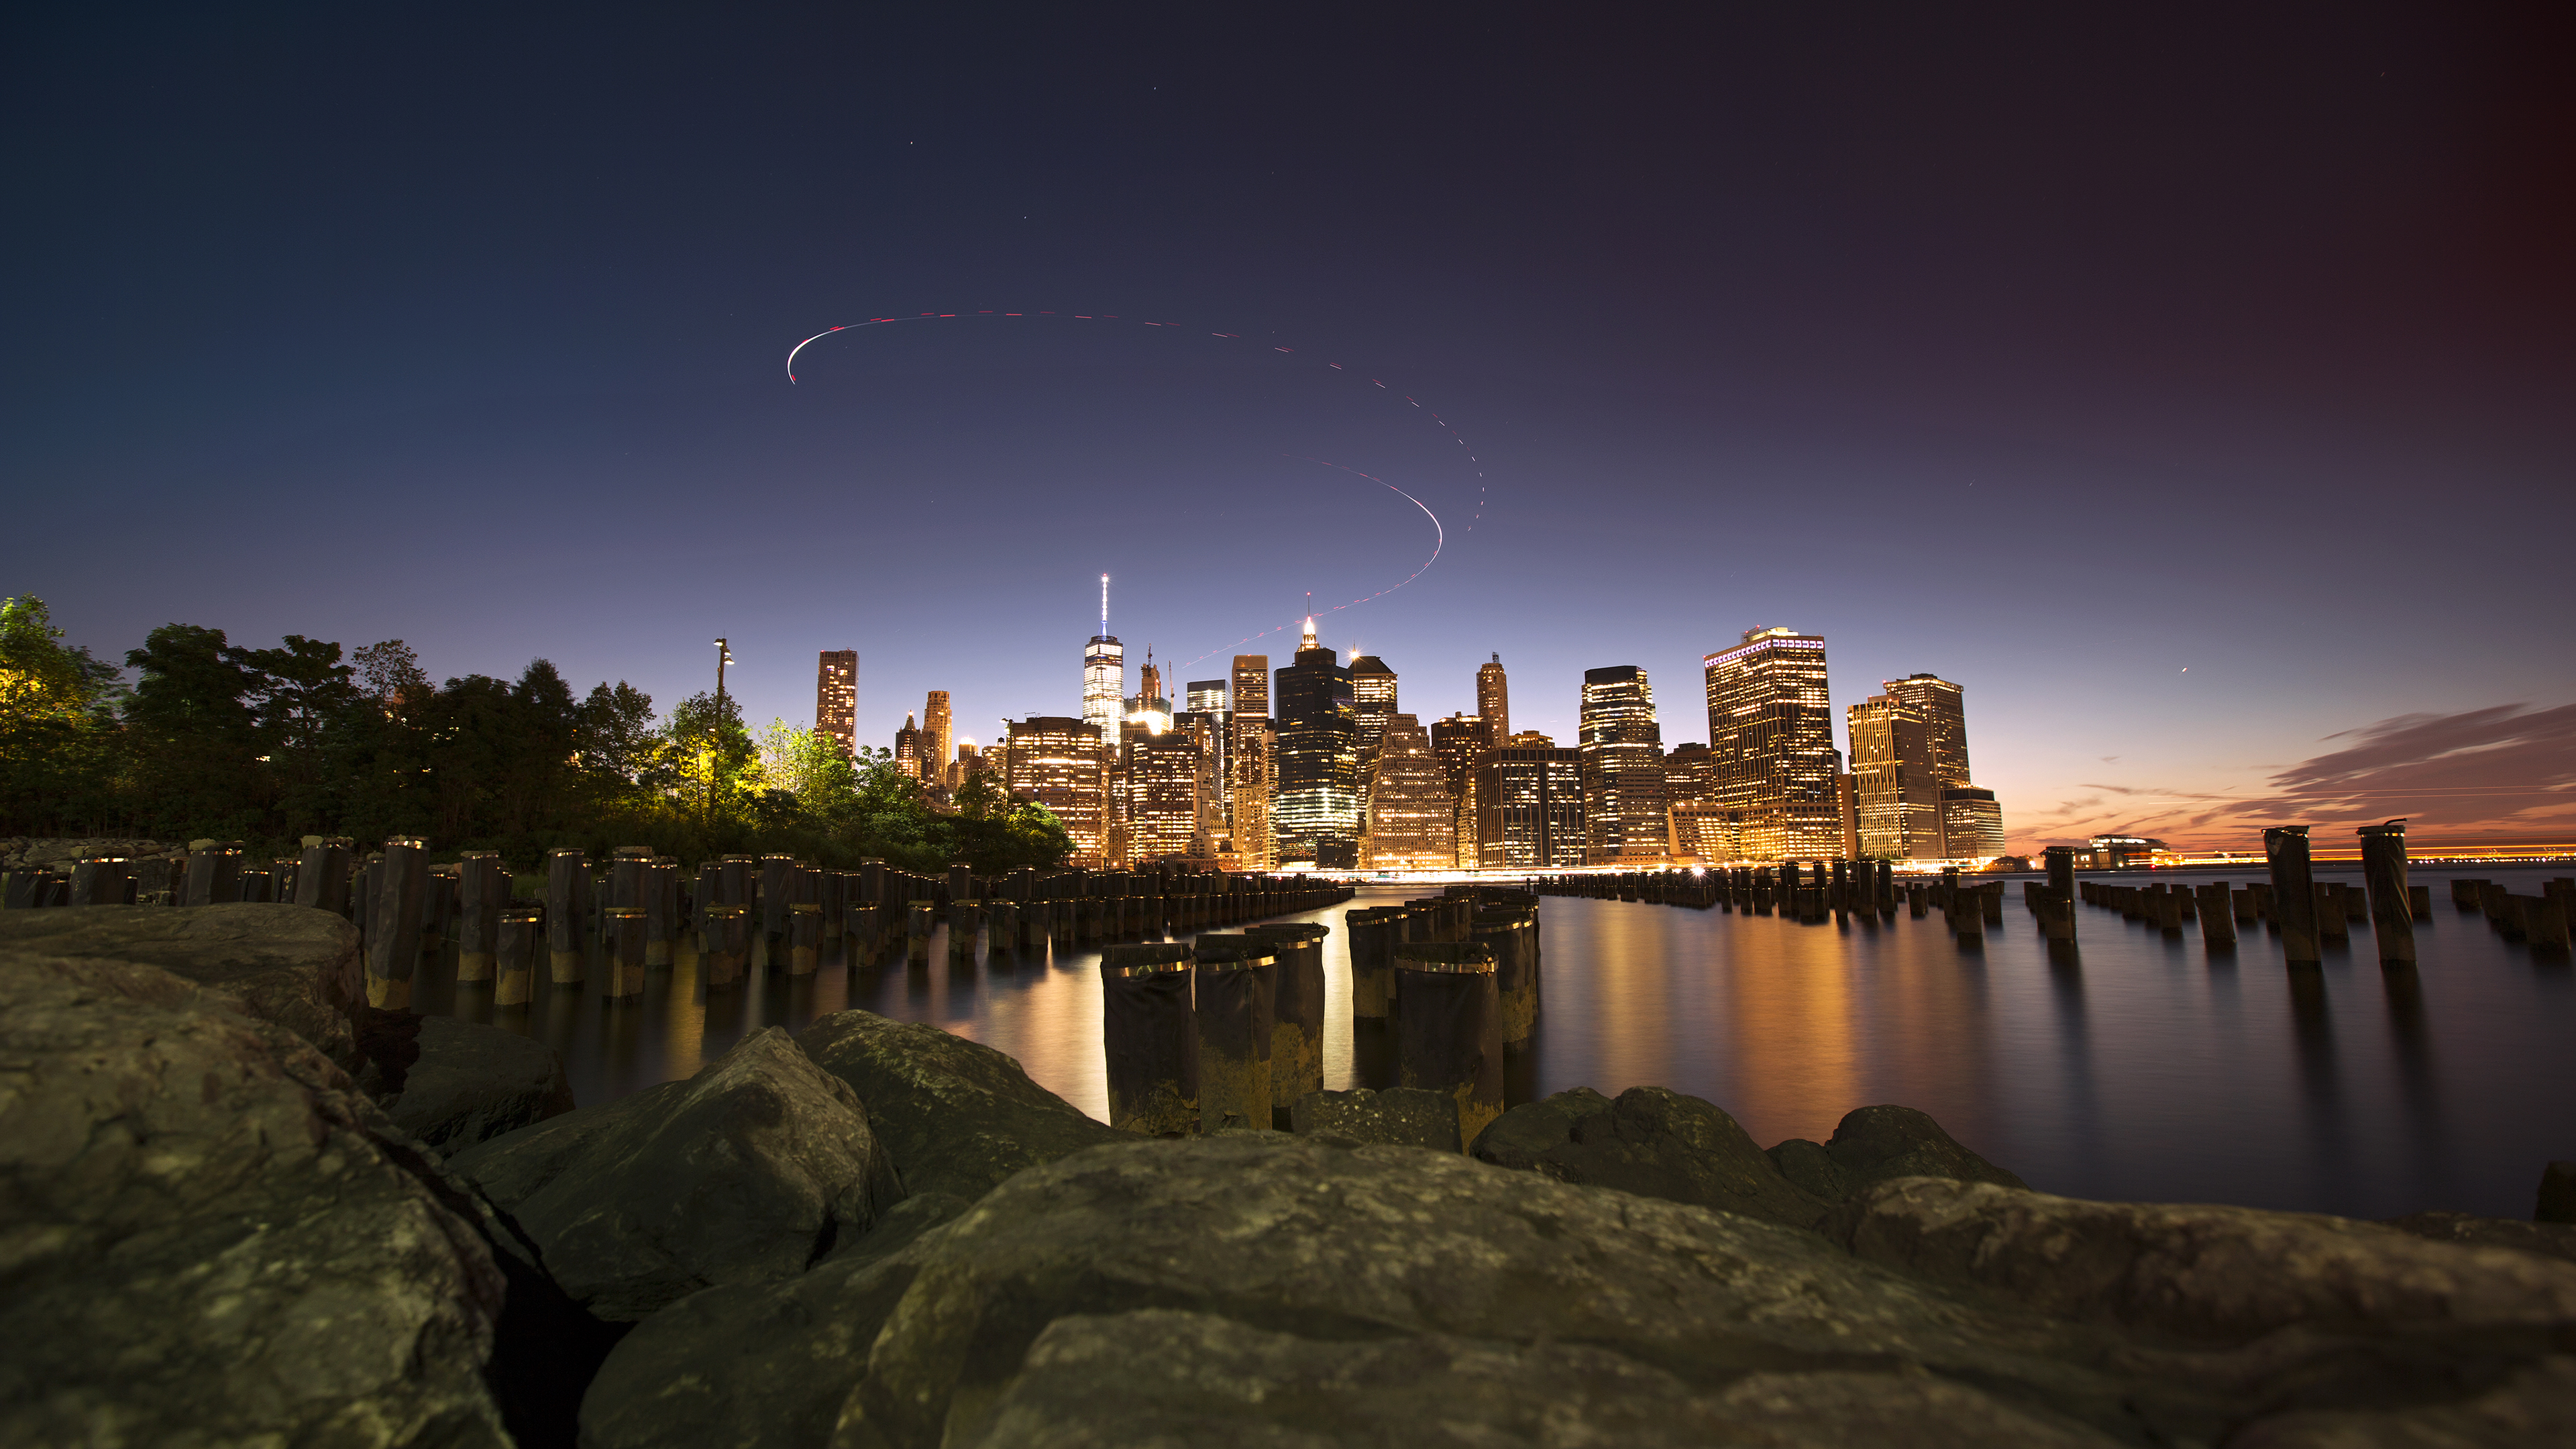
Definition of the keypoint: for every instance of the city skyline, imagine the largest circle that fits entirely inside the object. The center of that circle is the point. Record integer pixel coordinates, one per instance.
(2235, 424)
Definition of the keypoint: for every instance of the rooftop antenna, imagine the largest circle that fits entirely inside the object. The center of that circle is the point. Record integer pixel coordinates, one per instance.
(1104, 606)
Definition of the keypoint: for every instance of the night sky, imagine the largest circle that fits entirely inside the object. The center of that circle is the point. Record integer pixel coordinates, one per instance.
(2192, 386)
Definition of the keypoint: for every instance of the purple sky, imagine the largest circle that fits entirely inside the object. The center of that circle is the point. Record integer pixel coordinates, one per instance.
(2192, 387)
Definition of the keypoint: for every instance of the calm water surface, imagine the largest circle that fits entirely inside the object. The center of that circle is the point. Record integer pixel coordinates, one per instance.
(2140, 1067)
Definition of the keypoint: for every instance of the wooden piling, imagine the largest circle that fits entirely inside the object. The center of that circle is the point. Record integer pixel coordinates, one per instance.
(2392, 905)
(1236, 986)
(2294, 896)
(393, 933)
(1449, 1034)
(517, 937)
(1297, 1029)
(567, 910)
(1150, 1038)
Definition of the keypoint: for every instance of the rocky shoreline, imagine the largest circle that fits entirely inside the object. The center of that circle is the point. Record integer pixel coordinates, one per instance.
(243, 1208)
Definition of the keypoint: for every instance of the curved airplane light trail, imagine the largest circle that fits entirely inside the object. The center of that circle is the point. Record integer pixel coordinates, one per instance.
(1440, 534)
(1439, 539)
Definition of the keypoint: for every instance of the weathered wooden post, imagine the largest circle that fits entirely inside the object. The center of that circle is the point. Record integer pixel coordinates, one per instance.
(482, 893)
(804, 937)
(99, 881)
(393, 933)
(965, 919)
(214, 875)
(322, 876)
(1510, 933)
(1150, 1036)
(1374, 934)
(2332, 917)
(2217, 915)
(1236, 983)
(2061, 879)
(2294, 893)
(567, 909)
(916, 930)
(517, 938)
(1449, 1029)
(1297, 1030)
(2383, 873)
(621, 950)
(725, 950)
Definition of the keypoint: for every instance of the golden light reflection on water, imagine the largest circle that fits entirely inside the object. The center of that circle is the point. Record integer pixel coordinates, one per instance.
(2141, 1066)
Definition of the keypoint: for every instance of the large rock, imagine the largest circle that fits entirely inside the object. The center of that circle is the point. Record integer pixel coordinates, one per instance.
(292, 965)
(1651, 1141)
(1880, 1144)
(211, 1238)
(1352, 1252)
(744, 1173)
(1285, 1291)
(1403, 1116)
(959, 1115)
(1157, 1377)
(467, 1083)
(761, 1366)
(2553, 1240)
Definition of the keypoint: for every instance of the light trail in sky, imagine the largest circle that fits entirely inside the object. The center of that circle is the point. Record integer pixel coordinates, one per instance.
(1440, 532)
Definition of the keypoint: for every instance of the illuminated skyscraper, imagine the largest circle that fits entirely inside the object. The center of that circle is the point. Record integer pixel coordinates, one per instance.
(1771, 731)
(1690, 773)
(1204, 699)
(907, 749)
(1707, 830)
(1458, 740)
(1897, 799)
(1494, 697)
(1104, 676)
(1317, 761)
(1529, 806)
(1055, 760)
(836, 700)
(1938, 703)
(1972, 824)
(1622, 754)
(1372, 705)
(938, 742)
(1251, 769)
(1162, 779)
(1412, 823)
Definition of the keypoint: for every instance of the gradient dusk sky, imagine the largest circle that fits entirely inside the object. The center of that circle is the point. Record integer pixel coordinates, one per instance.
(2191, 384)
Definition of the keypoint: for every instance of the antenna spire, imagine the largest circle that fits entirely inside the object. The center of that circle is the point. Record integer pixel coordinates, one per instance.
(1104, 606)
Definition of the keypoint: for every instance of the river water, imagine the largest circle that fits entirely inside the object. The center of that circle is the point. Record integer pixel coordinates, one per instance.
(2140, 1067)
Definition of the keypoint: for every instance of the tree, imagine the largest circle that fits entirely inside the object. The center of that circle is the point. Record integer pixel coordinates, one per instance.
(58, 733)
(195, 735)
(619, 744)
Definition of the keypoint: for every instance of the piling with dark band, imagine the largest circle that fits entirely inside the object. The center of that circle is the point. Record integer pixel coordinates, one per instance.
(916, 930)
(1236, 983)
(1449, 1029)
(1511, 934)
(621, 949)
(214, 875)
(517, 938)
(725, 952)
(567, 909)
(1374, 936)
(1150, 1036)
(393, 929)
(482, 893)
(2392, 910)
(2294, 893)
(804, 937)
(1297, 1035)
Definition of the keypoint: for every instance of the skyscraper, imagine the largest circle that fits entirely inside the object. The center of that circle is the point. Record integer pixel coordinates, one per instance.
(1372, 704)
(1494, 698)
(1055, 760)
(1897, 804)
(1529, 806)
(1317, 760)
(1939, 704)
(1104, 676)
(1690, 773)
(1205, 699)
(1458, 741)
(1251, 773)
(1622, 754)
(1972, 824)
(836, 700)
(1162, 778)
(938, 742)
(1412, 823)
(907, 749)
(1770, 729)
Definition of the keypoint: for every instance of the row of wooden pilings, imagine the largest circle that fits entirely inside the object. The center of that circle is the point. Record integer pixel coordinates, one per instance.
(1226, 1030)
(1810, 891)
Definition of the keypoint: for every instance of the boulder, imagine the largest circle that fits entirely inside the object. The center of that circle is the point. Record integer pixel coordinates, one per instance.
(761, 1365)
(1424, 1278)
(744, 1173)
(1651, 1141)
(212, 1238)
(468, 1082)
(1402, 1116)
(2553, 1240)
(1158, 1376)
(2214, 1275)
(959, 1116)
(1881, 1144)
(292, 965)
